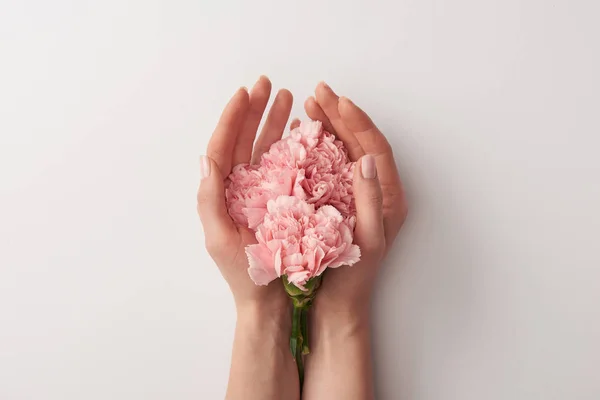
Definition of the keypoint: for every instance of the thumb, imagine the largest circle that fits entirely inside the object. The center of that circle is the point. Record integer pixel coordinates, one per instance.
(369, 231)
(212, 208)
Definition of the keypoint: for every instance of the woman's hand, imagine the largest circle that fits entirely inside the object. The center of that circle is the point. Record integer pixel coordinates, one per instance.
(231, 144)
(380, 202)
(340, 366)
(261, 366)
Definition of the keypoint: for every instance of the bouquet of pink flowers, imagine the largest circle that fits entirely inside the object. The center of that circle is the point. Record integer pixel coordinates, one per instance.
(299, 202)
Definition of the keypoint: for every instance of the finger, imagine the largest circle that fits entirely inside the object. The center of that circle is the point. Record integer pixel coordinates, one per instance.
(259, 97)
(371, 140)
(218, 226)
(328, 100)
(294, 124)
(374, 142)
(275, 123)
(316, 113)
(222, 142)
(369, 233)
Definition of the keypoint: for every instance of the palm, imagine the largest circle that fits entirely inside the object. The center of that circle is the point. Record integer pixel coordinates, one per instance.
(232, 144)
(360, 136)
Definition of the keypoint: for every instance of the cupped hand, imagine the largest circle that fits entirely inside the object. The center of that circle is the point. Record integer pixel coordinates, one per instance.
(380, 200)
(231, 144)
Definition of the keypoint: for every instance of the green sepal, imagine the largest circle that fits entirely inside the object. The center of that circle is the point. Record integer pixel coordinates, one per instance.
(302, 298)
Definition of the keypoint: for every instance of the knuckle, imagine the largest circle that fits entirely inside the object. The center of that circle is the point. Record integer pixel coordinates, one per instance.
(216, 152)
(354, 148)
(374, 198)
(395, 204)
(373, 247)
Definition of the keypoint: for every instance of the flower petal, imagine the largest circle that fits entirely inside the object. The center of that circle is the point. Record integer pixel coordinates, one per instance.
(278, 261)
(261, 266)
(350, 256)
(255, 216)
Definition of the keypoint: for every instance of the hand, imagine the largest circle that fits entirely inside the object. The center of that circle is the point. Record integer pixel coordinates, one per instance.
(380, 202)
(340, 364)
(261, 365)
(231, 144)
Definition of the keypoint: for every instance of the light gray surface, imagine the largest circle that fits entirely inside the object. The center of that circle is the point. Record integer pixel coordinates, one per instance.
(492, 107)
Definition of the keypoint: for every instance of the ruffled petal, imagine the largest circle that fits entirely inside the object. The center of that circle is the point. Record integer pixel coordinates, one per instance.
(350, 256)
(261, 266)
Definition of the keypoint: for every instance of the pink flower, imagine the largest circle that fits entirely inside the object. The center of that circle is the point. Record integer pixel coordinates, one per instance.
(300, 242)
(328, 175)
(334, 188)
(292, 151)
(251, 187)
(307, 133)
(285, 153)
(240, 184)
(300, 203)
(329, 155)
(309, 164)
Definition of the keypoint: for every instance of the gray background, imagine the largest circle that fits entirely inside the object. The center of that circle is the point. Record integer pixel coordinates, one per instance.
(106, 291)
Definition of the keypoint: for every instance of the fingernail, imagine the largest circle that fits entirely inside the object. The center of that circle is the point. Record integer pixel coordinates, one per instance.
(204, 167)
(244, 88)
(325, 85)
(367, 167)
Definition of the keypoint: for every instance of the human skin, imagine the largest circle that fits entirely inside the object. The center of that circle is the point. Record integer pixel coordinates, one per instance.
(262, 367)
(340, 363)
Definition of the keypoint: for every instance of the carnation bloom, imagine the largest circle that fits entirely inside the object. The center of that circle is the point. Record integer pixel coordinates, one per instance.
(251, 187)
(299, 202)
(299, 241)
(309, 164)
(328, 175)
(241, 186)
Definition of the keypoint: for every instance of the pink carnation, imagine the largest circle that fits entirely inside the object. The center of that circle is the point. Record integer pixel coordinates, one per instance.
(300, 242)
(299, 202)
(241, 185)
(329, 154)
(294, 151)
(247, 195)
(329, 176)
(309, 164)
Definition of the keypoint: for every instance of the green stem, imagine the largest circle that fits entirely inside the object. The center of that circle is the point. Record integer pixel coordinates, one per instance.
(304, 330)
(296, 345)
(302, 300)
(295, 330)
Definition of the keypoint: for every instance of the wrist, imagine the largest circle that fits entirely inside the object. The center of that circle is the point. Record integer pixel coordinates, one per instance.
(266, 319)
(338, 321)
(272, 302)
(332, 309)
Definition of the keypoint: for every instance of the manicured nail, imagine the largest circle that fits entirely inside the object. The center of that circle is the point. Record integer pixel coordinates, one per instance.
(204, 167)
(368, 167)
